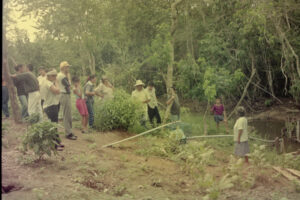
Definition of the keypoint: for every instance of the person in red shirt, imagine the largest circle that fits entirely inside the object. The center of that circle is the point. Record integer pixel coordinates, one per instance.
(219, 112)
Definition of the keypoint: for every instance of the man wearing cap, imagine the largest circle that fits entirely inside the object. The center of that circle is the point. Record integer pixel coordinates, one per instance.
(51, 92)
(141, 96)
(51, 103)
(31, 86)
(65, 98)
(42, 78)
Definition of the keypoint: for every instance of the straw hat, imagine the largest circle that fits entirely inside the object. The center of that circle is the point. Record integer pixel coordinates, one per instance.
(64, 64)
(139, 82)
(52, 72)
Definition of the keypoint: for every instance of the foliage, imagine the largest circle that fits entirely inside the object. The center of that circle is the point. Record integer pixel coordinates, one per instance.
(216, 43)
(258, 156)
(41, 138)
(33, 118)
(295, 90)
(235, 170)
(269, 102)
(121, 112)
(213, 187)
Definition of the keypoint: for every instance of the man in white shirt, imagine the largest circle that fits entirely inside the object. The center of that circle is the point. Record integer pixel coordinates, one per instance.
(141, 96)
(42, 78)
(152, 104)
(65, 98)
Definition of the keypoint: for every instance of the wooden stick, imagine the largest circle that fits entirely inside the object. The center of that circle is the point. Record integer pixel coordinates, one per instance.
(130, 138)
(208, 136)
(294, 172)
(286, 174)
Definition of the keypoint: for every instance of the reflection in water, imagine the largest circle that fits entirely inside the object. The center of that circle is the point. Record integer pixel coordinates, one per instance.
(270, 129)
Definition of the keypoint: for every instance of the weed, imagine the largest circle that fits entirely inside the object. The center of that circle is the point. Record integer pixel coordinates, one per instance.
(93, 146)
(119, 190)
(89, 138)
(26, 159)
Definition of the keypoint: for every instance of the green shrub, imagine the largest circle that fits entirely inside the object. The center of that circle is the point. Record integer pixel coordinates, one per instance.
(33, 119)
(119, 113)
(269, 102)
(41, 138)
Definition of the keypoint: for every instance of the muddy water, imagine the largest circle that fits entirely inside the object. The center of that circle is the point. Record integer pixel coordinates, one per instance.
(270, 129)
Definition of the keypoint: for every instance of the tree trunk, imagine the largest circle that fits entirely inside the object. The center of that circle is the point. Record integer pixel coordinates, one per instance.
(169, 79)
(246, 87)
(92, 63)
(8, 80)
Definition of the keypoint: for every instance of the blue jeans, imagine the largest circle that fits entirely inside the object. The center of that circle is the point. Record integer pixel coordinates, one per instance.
(24, 105)
(5, 98)
(90, 107)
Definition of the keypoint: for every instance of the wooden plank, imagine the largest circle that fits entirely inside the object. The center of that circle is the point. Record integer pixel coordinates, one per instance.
(294, 172)
(286, 174)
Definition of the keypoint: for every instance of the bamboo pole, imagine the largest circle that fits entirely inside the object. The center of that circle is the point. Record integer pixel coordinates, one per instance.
(144, 133)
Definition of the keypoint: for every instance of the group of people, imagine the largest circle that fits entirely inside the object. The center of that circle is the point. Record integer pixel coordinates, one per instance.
(50, 92)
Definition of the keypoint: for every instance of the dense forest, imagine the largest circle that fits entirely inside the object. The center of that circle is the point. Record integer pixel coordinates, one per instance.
(203, 47)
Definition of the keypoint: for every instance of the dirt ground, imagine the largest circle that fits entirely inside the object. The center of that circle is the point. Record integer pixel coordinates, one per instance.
(84, 170)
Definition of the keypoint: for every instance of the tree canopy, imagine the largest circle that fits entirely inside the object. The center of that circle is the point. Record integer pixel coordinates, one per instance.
(212, 45)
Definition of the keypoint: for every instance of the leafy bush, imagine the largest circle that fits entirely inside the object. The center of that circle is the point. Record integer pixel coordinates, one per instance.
(121, 112)
(269, 102)
(41, 138)
(32, 119)
(295, 90)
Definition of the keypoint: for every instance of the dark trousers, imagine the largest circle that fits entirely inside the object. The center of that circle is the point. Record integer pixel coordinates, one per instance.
(153, 112)
(90, 107)
(52, 112)
(5, 98)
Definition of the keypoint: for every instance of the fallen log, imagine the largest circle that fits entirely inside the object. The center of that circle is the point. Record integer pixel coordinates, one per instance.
(287, 175)
(294, 172)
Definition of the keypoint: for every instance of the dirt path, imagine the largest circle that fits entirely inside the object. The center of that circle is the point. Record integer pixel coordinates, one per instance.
(86, 171)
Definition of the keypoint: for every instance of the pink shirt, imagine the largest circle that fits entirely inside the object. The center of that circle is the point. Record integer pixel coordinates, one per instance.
(218, 110)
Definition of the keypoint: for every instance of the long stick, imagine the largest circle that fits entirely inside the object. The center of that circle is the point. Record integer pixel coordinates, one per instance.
(216, 136)
(208, 136)
(159, 127)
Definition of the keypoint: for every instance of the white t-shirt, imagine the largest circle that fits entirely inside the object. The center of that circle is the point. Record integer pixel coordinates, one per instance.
(153, 100)
(60, 77)
(241, 124)
(141, 96)
(41, 80)
(50, 98)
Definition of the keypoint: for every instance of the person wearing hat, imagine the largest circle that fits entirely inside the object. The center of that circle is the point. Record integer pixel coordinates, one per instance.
(141, 96)
(51, 100)
(241, 134)
(65, 98)
(42, 78)
(105, 89)
(31, 87)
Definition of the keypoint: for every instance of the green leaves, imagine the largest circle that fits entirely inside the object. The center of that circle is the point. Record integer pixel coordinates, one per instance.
(121, 112)
(41, 138)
